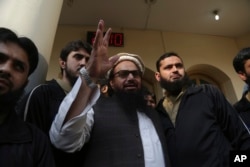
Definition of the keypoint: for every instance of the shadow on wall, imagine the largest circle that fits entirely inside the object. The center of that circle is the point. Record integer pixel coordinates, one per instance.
(221, 79)
(38, 75)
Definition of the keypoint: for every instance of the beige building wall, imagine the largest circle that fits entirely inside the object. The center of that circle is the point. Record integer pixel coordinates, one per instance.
(196, 50)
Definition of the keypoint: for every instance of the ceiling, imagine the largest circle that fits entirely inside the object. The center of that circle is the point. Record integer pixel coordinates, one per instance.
(193, 16)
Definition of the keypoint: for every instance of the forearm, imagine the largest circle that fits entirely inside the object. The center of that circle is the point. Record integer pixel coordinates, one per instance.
(73, 134)
(81, 95)
(70, 135)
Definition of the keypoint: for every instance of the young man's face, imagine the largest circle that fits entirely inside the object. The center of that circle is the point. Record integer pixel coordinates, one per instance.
(171, 75)
(171, 69)
(75, 61)
(245, 75)
(14, 68)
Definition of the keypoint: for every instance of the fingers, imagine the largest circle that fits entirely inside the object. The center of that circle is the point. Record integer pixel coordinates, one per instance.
(99, 34)
(99, 39)
(107, 36)
(101, 25)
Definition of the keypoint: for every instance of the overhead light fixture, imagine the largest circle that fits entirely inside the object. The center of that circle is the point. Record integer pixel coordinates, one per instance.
(216, 14)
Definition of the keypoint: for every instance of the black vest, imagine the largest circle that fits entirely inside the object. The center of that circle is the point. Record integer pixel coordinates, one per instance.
(115, 138)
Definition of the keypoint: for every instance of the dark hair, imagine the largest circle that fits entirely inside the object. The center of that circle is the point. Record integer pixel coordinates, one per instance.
(165, 55)
(102, 81)
(74, 46)
(240, 59)
(32, 52)
(146, 92)
(6, 35)
(105, 82)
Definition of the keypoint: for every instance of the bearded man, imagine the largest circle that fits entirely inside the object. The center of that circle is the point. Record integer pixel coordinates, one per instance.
(241, 64)
(200, 125)
(22, 144)
(41, 105)
(126, 131)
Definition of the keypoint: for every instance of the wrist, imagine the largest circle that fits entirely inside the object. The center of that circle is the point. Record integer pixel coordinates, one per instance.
(85, 75)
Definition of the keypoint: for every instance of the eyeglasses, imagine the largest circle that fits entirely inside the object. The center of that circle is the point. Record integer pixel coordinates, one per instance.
(125, 73)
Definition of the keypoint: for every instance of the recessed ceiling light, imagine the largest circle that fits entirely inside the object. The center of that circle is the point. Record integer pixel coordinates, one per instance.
(216, 14)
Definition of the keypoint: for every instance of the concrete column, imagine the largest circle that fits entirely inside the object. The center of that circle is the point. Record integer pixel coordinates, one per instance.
(38, 20)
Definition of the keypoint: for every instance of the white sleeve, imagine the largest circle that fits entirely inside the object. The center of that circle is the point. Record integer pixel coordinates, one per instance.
(71, 136)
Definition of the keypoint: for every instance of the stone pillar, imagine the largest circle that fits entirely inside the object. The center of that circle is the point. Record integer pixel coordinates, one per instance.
(38, 20)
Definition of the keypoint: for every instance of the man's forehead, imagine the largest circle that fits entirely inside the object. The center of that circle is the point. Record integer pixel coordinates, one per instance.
(13, 50)
(82, 52)
(126, 64)
(173, 58)
(171, 61)
(16, 54)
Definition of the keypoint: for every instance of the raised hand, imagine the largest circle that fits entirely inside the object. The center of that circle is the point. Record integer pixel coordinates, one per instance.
(99, 62)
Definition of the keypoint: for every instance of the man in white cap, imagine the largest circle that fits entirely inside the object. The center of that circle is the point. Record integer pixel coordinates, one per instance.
(126, 132)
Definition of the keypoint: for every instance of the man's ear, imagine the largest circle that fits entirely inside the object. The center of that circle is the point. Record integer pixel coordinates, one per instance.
(157, 76)
(62, 63)
(104, 89)
(242, 75)
(111, 84)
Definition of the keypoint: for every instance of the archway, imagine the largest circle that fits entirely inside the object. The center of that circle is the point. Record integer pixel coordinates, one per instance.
(215, 76)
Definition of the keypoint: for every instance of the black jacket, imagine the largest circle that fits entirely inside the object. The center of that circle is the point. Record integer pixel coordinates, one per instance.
(23, 145)
(43, 104)
(243, 108)
(207, 128)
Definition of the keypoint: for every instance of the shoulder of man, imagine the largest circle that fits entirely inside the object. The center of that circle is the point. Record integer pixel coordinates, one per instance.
(48, 89)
